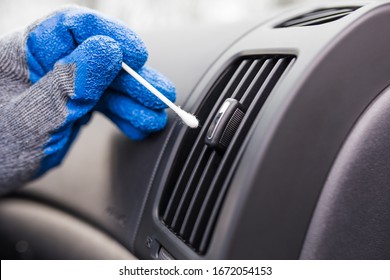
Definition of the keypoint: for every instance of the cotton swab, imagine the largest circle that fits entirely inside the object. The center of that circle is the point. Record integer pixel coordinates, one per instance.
(187, 118)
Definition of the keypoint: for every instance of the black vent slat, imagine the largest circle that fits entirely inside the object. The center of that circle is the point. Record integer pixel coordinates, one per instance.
(232, 150)
(194, 196)
(191, 135)
(200, 193)
(326, 12)
(191, 160)
(318, 17)
(228, 89)
(190, 188)
(213, 204)
(246, 79)
(178, 192)
(237, 79)
(322, 20)
(257, 82)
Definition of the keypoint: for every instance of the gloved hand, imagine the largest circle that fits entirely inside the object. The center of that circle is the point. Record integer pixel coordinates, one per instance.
(54, 74)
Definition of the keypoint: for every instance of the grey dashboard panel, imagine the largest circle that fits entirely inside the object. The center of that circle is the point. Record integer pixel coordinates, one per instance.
(351, 219)
(283, 164)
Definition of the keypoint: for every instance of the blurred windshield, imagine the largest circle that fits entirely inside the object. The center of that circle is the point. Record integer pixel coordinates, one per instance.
(145, 15)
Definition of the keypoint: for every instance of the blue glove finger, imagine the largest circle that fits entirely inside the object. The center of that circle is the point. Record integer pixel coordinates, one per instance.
(128, 85)
(127, 128)
(94, 63)
(58, 35)
(126, 112)
(97, 61)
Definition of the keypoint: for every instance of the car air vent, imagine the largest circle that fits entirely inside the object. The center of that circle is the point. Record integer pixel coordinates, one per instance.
(318, 17)
(199, 178)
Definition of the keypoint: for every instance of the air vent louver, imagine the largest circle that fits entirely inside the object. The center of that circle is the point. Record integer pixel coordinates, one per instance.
(200, 175)
(318, 17)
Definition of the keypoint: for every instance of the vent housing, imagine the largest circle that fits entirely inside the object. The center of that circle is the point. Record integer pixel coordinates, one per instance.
(199, 177)
(318, 17)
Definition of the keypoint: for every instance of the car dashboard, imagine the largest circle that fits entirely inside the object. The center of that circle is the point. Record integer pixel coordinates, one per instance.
(290, 160)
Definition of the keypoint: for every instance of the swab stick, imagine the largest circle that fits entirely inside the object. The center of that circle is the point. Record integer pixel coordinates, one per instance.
(187, 118)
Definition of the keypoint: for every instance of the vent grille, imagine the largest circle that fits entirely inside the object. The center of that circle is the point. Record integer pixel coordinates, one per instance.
(198, 183)
(318, 17)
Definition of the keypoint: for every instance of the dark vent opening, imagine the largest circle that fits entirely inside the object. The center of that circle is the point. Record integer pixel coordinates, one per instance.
(318, 17)
(196, 188)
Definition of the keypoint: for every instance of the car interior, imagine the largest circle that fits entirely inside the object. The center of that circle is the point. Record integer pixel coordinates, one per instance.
(291, 159)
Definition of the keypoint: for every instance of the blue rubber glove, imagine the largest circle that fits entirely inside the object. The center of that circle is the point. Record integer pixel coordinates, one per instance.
(54, 74)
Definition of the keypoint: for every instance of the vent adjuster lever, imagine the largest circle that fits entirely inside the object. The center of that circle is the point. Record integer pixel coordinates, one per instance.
(225, 124)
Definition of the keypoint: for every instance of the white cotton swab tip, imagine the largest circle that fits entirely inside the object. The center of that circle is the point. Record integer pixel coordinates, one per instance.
(186, 117)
